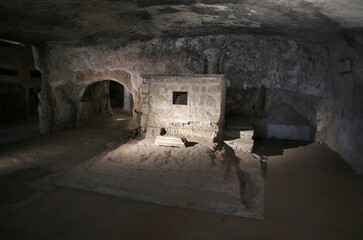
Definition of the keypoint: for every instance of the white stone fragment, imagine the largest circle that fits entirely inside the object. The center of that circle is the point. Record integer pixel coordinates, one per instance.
(169, 141)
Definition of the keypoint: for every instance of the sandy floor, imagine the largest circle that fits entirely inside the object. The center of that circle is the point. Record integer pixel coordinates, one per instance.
(204, 176)
(310, 193)
(22, 161)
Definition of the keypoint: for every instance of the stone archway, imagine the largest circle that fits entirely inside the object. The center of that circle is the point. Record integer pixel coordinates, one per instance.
(106, 98)
(86, 77)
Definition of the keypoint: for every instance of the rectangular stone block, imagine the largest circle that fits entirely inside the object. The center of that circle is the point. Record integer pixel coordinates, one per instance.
(205, 96)
(169, 141)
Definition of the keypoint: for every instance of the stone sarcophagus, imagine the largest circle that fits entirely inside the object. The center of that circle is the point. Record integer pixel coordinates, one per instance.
(190, 106)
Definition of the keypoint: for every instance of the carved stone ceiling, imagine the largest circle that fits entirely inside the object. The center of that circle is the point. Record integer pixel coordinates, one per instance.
(93, 22)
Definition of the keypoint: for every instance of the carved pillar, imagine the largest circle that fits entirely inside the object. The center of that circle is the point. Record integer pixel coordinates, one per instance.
(45, 107)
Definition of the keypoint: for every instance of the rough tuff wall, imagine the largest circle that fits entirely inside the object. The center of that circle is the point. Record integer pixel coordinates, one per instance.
(198, 112)
(293, 73)
(345, 133)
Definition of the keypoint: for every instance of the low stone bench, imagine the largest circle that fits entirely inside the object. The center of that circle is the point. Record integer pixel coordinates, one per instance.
(169, 141)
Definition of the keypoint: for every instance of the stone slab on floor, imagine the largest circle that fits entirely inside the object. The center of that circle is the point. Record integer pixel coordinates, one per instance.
(143, 171)
(169, 141)
(289, 132)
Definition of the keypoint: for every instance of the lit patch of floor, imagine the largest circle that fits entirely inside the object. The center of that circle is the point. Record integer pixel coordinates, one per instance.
(197, 177)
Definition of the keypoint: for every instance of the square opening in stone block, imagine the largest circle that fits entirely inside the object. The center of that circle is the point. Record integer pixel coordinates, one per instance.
(180, 98)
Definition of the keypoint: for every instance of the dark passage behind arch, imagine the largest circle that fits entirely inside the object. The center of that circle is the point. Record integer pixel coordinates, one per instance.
(106, 99)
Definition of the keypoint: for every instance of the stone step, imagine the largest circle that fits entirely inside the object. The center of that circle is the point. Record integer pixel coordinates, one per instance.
(159, 193)
(169, 141)
(212, 181)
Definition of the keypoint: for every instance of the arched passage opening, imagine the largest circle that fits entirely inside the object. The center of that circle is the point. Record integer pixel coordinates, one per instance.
(106, 100)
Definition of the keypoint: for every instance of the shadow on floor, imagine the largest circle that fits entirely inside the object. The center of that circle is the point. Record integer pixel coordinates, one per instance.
(14, 186)
(19, 130)
(269, 147)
